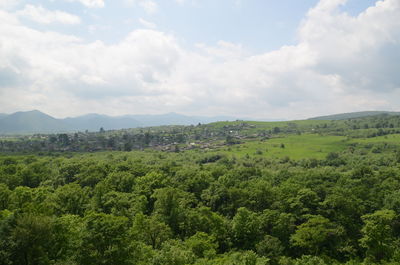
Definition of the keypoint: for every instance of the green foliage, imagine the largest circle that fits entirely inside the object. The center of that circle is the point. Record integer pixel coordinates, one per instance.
(5, 195)
(104, 240)
(316, 235)
(304, 260)
(245, 228)
(150, 230)
(323, 199)
(33, 239)
(71, 199)
(174, 252)
(239, 258)
(202, 245)
(171, 205)
(379, 237)
(270, 247)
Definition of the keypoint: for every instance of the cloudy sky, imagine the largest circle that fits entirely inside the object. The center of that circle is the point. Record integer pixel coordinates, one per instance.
(260, 59)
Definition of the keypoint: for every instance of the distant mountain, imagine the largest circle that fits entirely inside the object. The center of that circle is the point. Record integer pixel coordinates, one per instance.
(353, 115)
(93, 122)
(38, 122)
(30, 122)
(175, 119)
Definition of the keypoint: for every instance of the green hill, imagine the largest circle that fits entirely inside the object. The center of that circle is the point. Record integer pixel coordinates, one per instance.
(354, 115)
(30, 122)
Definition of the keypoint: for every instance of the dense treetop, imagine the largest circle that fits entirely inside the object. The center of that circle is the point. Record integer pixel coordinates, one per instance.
(244, 193)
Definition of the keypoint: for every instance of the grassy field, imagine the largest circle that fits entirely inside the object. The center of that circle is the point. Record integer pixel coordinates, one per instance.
(304, 146)
(293, 146)
(390, 139)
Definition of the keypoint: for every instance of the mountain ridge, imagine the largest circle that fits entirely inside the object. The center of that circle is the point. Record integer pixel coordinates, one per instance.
(353, 115)
(30, 121)
(35, 121)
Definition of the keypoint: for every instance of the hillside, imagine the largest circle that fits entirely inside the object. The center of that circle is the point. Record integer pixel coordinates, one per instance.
(30, 122)
(294, 139)
(354, 115)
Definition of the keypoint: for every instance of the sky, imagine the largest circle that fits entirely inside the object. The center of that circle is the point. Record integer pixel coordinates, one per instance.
(253, 59)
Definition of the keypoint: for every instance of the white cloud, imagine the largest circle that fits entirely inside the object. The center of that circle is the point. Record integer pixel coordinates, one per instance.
(341, 63)
(147, 24)
(98, 28)
(150, 6)
(89, 3)
(45, 16)
(223, 50)
(356, 48)
(5, 4)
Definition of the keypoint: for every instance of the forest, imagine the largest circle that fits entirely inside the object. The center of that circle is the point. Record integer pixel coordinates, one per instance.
(228, 193)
